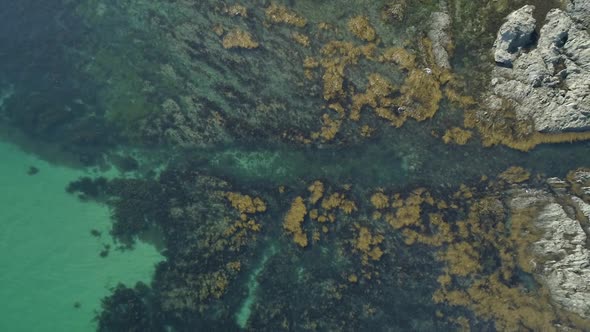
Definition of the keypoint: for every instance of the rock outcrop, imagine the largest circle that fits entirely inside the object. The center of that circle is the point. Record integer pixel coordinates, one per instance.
(562, 253)
(565, 258)
(549, 84)
(517, 32)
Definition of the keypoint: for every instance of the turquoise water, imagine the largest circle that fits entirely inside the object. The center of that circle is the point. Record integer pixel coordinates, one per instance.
(53, 277)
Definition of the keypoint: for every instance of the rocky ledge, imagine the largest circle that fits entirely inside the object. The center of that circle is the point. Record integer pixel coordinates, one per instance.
(546, 80)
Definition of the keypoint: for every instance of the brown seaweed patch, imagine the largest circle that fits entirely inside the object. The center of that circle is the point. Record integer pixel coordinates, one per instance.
(368, 245)
(281, 14)
(317, 191)
(239, 39)
(457, 135)
(300, 38)
(421, 94)
(515, 174)
(361, 28)
(294, 219)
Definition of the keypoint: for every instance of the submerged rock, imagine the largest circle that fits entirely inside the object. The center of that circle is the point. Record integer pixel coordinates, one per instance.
(439, 33)
(548, 85)
(516, 33)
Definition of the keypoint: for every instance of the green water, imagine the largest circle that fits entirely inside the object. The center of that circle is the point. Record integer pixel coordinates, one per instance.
(49, 259)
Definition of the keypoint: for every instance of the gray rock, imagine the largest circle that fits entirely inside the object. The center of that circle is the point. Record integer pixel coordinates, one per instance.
(580, 10)
(440, 35)
(582, 178)
(582, 206)
(565, 259)
(550, 84)
(561, 255)
(516, 33)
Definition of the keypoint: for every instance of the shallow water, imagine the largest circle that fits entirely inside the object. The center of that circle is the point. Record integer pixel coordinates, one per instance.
(53, 278)
(384, 163)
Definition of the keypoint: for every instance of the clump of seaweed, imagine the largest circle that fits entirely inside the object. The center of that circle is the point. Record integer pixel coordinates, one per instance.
(514, 174)
(417, 98)
(457, 136)
(239, 39)
(323, 206)
(281, 14)
(380, 200)
(300, 38)
(368, 245)
(361, 28)
(245, 203)
(294, 219)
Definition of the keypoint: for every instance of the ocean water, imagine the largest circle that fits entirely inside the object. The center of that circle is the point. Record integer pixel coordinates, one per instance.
(53, 278)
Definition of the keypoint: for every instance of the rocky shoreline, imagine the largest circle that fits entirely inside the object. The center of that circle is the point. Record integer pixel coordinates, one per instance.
(543, 80)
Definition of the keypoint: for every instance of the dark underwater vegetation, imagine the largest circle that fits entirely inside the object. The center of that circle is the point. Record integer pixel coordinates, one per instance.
(278, 166)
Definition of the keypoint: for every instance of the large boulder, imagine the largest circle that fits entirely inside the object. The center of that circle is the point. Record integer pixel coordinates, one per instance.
(517, 32)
